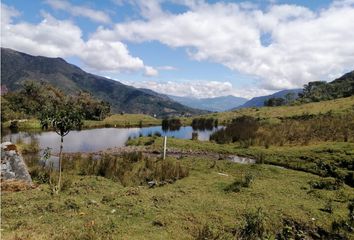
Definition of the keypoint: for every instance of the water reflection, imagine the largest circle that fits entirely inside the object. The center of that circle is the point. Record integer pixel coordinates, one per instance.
(100, 138)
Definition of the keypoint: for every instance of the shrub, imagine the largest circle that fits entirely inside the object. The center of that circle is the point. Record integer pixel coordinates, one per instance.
(254, 227)
(241, 129)
(14, 126)
(71, 205)
(206, 233)
(133, 156)
(40, 174)
(133, 169)
(157, 134)
(327, 184)
(204, 123)
(171, 124)
(237, 185)
(194, 135)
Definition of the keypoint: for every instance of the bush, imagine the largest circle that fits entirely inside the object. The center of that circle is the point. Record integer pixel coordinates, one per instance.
(206, 233)
(133, 169)
(194, 135)
(157, 134)
(133, 156)
(204, 123)
(241, 129)
(171, 124)
(40, 174)
(327, 184)
(237, 185)
(254, 227)
(14, 126)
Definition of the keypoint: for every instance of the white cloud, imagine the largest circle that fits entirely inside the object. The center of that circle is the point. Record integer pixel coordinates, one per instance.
(149, 8)
(83, 11)
(303, 45)
(108, 56)
(150, 72)
(60, 38)
(7, 13)
(198, 89)
(167, 68)
(50, 37)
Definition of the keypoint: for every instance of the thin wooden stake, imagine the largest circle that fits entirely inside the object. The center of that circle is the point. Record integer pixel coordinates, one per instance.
(164, 147)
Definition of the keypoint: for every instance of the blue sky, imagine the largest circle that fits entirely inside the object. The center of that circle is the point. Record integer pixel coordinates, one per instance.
(191, 48)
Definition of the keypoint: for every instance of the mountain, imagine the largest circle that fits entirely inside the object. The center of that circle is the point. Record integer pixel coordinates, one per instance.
(259, 101)
(217, 104)
(17, 67)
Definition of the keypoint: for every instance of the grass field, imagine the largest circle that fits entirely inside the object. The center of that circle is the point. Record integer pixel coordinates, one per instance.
(298, 190)
(99, 208)
(126, 120)
(116, 120)
(314, 158)
(339, 106)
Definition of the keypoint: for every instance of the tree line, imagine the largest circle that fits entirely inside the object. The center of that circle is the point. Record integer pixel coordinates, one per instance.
(317, 91)
(35, 99)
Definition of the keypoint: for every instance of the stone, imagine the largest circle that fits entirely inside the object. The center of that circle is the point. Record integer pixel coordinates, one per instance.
(13, 166)
(242, 160)
(152, 184)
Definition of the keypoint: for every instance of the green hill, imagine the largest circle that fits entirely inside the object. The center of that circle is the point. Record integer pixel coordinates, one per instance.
(17, 67)
(320, 90)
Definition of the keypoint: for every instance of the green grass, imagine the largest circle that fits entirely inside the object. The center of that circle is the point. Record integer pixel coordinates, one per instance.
(99, 208)
(126, 120)
(25, 125)
(339, 106)
(116, 120)
(339, 155)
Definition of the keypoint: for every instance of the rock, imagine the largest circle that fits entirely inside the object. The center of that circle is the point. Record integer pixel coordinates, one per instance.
(5, 144)
(13, 166)
(152, 184)
(242, 160)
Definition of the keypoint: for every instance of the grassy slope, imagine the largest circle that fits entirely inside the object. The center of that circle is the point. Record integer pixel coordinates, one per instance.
(340, 105)
(179, 209)
(336, 106)
(116, 120)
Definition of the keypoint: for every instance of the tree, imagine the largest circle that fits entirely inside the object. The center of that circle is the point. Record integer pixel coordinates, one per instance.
(273, 102)
(93, 109)
(289, 97)
(62, 117)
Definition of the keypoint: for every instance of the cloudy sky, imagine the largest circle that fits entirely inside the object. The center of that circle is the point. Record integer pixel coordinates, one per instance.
(194, 48)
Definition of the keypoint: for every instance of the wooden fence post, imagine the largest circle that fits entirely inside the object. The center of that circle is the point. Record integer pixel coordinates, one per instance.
(164, 147)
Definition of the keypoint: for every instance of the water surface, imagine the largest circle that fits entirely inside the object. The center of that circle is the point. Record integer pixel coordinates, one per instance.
(100, 138)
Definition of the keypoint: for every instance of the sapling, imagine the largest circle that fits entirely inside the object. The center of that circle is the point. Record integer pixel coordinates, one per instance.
(63, 118)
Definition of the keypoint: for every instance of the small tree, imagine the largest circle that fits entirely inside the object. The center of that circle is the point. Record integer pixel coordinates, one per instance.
(63, 118)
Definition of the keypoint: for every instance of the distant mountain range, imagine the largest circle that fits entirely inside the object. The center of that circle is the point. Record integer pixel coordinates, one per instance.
(17, 67)
(259, 101)
(217, 104)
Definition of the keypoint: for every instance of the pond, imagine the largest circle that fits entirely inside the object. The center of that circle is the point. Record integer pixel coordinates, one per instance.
(92, 140)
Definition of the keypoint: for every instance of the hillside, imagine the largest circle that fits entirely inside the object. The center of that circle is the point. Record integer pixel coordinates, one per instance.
(217, 104)
(336, 106)
(320, 90)
(259, 101)
(17, 67)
